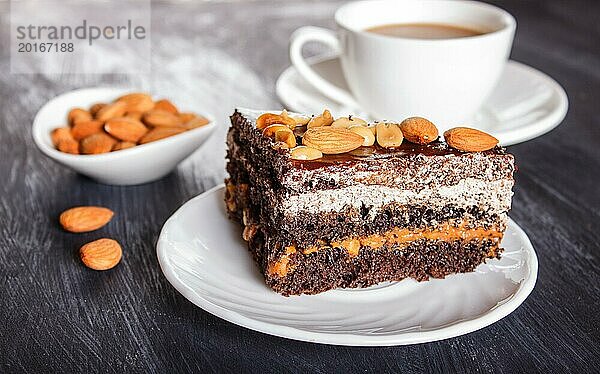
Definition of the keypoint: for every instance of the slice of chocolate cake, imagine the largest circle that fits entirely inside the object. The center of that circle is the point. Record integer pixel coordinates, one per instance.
(327, 204)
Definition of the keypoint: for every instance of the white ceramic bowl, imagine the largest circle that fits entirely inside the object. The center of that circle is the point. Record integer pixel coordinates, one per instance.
(141, 164)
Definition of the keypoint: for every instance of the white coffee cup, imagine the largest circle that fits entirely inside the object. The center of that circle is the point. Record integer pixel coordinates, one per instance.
(444, 80)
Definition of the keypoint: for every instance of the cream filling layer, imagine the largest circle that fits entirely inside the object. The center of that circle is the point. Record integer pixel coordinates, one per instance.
(493, 197)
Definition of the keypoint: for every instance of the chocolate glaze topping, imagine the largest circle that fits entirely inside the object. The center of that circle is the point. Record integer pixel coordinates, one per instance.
(376, 152)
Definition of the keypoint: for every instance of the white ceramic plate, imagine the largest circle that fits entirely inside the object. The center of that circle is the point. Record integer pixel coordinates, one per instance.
(140, 164)
(202, 254)
(526, 103)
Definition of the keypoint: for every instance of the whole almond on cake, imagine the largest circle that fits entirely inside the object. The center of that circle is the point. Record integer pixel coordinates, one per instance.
(331, 140)
(85, 218)
(101, 254)
(467, 139)
(126, 129)
(419, 130)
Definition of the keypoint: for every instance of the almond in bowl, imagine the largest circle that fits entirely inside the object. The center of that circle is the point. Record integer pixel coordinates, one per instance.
(134, 118)
(117, 136)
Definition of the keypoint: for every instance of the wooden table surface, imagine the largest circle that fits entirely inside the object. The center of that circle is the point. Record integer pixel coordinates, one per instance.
(57, 315)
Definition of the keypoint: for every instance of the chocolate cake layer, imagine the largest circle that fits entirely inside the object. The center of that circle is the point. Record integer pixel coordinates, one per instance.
(369, 215)
(298, 273)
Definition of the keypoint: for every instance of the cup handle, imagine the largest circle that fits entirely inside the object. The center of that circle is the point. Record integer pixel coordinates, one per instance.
(327, 37)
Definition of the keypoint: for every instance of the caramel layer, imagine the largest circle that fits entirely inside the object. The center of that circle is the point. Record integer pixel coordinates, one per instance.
(394, 238)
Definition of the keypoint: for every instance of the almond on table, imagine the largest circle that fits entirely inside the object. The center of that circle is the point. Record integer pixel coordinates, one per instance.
(85, 218)
(101, 254)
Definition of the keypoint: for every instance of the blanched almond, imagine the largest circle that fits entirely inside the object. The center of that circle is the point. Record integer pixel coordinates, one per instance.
(330, 140)
(305, 153)
(286, 136)
(419, 130)
(85, 218)
(166, 105)
(365, 132)
(469, 140)
(269, 131)
(389, 135)
(301, 120)
(78, 115)
(97, 143)
(126, 129)
(162, 118)
(86, 128)
(267, 119)
(137, 102)
(101, 254)
(346, 122)
(158, 133)
(116, 109)
(325, 119)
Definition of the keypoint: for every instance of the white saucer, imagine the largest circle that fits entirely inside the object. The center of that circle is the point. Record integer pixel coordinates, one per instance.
(526, 103)
(203, 256)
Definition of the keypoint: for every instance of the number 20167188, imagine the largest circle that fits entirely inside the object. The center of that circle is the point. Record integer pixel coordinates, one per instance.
(44, 47)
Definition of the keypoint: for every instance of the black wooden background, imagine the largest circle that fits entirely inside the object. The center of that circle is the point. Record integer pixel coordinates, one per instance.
(57, 315)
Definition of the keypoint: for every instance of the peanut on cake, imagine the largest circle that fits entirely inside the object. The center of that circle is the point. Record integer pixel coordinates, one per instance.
(327, 203)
